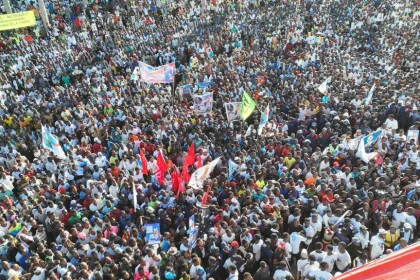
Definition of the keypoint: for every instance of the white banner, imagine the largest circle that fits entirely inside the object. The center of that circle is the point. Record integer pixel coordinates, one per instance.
(201, 174)
(203, 104)
(233, 111)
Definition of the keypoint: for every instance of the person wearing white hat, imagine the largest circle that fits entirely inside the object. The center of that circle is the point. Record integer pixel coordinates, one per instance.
(302, 263)
(407, 233)
(377, 244)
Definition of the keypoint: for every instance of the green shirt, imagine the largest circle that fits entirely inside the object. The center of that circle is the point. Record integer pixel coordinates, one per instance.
(74, 219)
(6, 193)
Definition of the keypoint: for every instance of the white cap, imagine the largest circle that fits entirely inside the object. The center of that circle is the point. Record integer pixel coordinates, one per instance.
(407, 225)
(304, 253)
(382, 231)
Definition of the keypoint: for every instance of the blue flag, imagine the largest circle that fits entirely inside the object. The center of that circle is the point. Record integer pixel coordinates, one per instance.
(370, 95)
(372, 138)
(233, 167)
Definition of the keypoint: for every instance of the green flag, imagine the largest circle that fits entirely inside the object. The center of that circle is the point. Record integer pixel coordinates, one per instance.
(248, 106)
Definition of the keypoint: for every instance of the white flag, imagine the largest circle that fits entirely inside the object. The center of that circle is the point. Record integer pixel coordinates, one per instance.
(370, 95)
(264, 119)
(323, 88)
(361, 153)
(201, 174)
(50, 142)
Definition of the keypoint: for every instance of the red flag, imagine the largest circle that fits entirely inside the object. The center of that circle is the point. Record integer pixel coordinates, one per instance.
(175, 180)
(161, 163)
(160, 175)
(205, 197)
(181, 188)
(199, 162)
(190, 159)
(185, 175)
(143, 163)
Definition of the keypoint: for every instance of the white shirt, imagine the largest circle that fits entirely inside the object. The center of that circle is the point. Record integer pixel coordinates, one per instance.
(398, 218)
(256, 249)
(295, 240)
(330, 259)
(310, 232)
(343, 260)
(411, 220)
(391, 124)
(318, 256)
(309, 268)
(321, 275)
(301, 264)
(364, 239)
(281, 274)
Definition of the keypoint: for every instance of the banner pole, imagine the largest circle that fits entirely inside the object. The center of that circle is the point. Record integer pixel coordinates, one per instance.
(173, 94)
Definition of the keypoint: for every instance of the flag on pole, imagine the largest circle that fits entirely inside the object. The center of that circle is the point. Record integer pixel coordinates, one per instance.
(164, 74)
(323, 88)
(372, 138)
(370, 95)
(161, 162)
(201, 174)
(134, 197)
(50, 142)
(361, 152)
(233, 167)
(175, 180)
(143, 163)
(185, 175)
(190, 159)
(263, 119)
(248, 106)
(181, 188)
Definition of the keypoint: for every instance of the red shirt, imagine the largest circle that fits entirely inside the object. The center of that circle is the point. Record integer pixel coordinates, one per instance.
(96, 148)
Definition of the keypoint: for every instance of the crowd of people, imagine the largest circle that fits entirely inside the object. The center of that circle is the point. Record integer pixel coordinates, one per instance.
(302, 205)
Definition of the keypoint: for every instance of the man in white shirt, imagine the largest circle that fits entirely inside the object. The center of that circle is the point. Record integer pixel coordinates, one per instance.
(309, 231)
(311, 266)
(391, 123)
(363, 236)
(281, 273)
(321, 274)
(398, 216)
(343, 258)
(410, 218)
(295, 240)
(256, 248)
(377, 244)
(330, 258)
(302, 263)
(316, 223)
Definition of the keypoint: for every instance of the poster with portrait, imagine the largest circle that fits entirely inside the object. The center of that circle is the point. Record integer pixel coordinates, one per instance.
(203, 104)
(233, 111)
(192, 239)
(413, 134)
(153, 233)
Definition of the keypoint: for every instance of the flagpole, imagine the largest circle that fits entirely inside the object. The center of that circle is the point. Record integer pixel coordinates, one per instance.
(173, 93)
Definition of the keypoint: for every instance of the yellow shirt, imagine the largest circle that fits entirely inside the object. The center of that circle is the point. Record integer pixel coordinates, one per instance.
(260, 184)
(28, 119)
(113, 159)
(289, 162)
(9, 121)
(241, 193)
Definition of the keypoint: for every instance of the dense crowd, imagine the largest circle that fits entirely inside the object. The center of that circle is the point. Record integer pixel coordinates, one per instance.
(303, 203)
